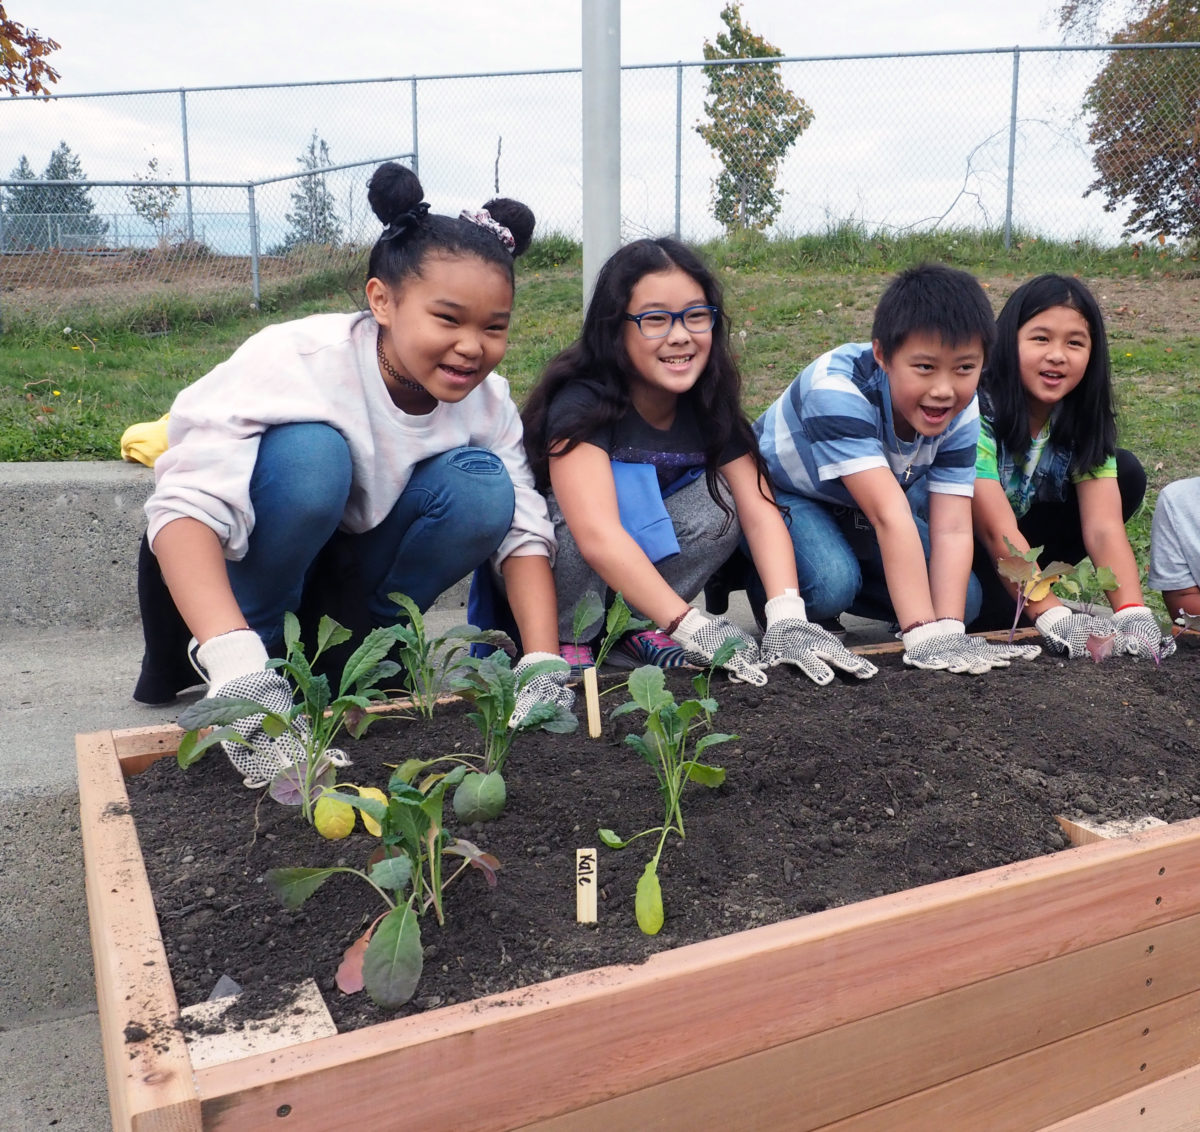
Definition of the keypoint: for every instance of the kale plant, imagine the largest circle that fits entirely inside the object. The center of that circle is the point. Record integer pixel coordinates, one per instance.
(491, 686)
(429, 664)
(406, 871)
(1035, 583)
(664, 746)
(314, 722)
(618, 621)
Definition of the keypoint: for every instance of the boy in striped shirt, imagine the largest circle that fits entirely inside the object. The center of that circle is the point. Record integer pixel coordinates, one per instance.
(872, 450)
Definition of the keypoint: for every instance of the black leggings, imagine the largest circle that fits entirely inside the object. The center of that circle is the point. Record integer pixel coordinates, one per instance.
(1058, 528)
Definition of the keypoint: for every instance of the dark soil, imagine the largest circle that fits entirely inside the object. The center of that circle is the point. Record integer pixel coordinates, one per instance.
(833, 795)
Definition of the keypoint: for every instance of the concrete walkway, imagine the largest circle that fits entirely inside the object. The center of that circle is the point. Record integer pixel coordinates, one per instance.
(70, 647)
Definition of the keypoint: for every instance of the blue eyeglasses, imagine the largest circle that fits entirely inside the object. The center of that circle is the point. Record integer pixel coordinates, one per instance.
(657, 324)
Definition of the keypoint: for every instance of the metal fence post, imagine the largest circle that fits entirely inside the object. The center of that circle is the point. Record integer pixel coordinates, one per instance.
(1012, 148)
(254, 280)
(601, 136)
(187, 164)
(415, 147)
(678, 142)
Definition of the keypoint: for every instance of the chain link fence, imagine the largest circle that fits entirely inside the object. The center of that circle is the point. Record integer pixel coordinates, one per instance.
(992, 140)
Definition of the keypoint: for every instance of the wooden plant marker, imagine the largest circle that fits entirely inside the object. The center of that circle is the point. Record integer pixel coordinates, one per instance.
(586, 879)
(1082, 831)
(591, 692)
(302, 1019)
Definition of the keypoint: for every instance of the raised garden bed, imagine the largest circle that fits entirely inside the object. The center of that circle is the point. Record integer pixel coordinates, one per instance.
(1061, 988)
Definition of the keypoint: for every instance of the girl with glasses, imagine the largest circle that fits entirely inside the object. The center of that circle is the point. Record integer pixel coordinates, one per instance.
(637, 434)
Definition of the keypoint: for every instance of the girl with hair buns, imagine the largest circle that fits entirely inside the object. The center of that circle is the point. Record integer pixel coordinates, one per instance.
(355, 455)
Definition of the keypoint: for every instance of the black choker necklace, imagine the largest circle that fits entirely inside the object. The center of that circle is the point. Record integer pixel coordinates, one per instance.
(395, 374)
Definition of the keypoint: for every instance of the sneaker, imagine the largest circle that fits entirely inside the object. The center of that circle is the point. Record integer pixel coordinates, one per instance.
(578, 657)
(650, 646)
(833, 625)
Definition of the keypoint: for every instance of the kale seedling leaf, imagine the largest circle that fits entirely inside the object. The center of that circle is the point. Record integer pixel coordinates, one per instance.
(295, 886)
(647, 904)
(393, 959)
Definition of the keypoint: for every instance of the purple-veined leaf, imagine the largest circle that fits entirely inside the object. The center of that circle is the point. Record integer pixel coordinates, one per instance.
(485, 862)
(287, 787)
(1016, 569)
(1100, 648)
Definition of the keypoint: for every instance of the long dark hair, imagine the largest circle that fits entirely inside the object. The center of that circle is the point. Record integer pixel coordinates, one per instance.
(599, 355)
(1085, 422)
(411, 232)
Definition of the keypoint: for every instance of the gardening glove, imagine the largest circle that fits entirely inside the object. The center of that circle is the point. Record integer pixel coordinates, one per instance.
(1005, 651)
(234, 664)
(701, 636)
(1067, 632)
(792, 639)
(1141, 634)
(544, 688)
(945, 644)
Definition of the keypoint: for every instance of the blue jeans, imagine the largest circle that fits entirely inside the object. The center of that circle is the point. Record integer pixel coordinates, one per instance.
(452, 516)
(839, 562)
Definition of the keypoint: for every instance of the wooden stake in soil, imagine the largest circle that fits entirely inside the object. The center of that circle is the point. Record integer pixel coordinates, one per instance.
(591, 691)
(586, 879)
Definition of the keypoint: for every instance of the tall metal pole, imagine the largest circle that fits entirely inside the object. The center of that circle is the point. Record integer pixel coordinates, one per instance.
(601, 136)
(678, 143)
(187, 165)
(415, 147)
(1012, 148)
(255, 286)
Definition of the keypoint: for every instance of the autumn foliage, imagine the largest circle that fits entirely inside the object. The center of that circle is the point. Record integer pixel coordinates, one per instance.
(23, 66)
(1144, 111)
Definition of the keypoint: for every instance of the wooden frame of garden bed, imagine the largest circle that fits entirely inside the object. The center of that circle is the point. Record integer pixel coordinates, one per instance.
(1061, 992)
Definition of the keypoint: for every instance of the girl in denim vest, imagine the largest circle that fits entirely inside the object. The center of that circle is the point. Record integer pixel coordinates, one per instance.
(1049, 473)
(637, 434)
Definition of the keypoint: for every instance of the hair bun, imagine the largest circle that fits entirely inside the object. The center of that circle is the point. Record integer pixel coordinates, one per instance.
(516, 217)
(393, 190)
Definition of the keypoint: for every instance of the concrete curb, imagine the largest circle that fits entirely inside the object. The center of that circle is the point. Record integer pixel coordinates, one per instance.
(69, 537)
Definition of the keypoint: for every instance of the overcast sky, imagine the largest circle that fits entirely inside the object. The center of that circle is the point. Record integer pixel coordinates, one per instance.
(894, 144)
(131, 44)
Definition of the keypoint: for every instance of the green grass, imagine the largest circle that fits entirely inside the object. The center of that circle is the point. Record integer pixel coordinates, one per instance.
(69, 397)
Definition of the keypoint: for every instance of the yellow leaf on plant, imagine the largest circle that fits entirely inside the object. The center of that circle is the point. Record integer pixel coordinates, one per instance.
(333, 818)
(369, 823)
(1041, 590)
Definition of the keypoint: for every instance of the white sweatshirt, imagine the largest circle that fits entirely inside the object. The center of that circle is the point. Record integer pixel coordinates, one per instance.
(323, 368)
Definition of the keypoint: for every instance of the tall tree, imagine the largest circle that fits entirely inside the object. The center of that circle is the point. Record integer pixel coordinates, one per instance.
(753, 121)
(23, 54)
(73, 203)
(1144, 111)
(38, 215)
(24, 209)
(313, 218)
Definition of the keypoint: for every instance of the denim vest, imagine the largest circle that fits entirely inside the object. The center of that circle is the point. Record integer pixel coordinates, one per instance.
(1048, 484)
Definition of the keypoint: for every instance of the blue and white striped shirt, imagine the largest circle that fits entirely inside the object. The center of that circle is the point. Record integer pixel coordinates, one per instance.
(835, 419)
